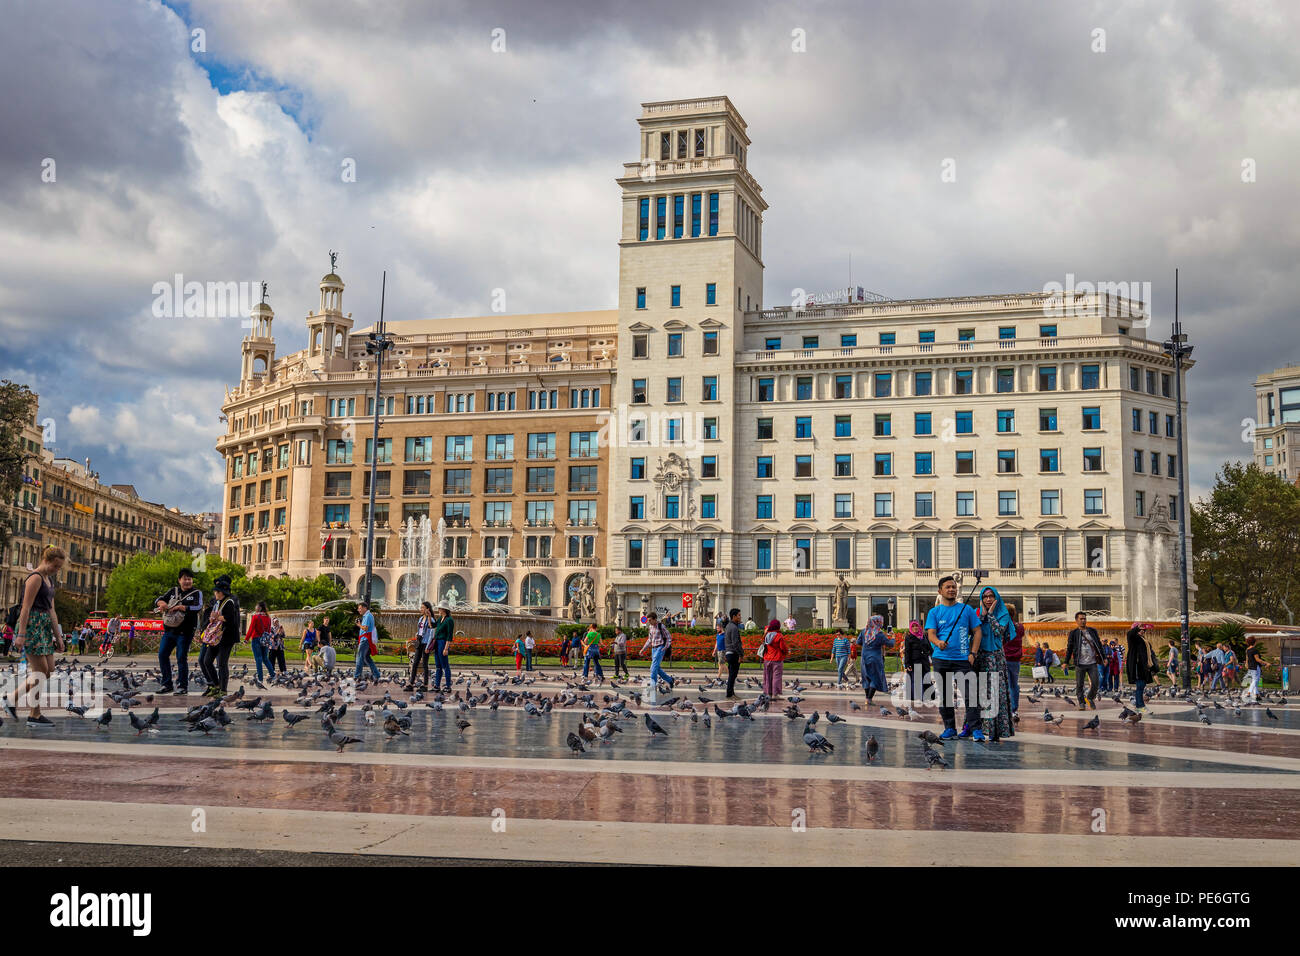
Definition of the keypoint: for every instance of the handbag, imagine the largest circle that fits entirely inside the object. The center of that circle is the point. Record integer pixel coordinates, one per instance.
(1040, 672)
(216, 625)
(173, 619)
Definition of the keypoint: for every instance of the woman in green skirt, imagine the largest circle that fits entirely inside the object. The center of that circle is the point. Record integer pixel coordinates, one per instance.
(39, 635)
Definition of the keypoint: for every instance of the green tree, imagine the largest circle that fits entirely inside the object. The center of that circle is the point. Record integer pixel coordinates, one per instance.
(134, 585)
(71, 612)
(17, 410)
(1246, 537)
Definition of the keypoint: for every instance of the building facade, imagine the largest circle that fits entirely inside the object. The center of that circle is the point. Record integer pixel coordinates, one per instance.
(100, 526)
(1277, 412)
(779, 454)
(63, 504)
(24, 548)
(488, 429)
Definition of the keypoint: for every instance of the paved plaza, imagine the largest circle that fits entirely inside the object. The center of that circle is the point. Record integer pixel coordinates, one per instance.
(725, 791)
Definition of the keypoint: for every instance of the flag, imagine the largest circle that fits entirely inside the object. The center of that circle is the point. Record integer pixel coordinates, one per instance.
(328, 538)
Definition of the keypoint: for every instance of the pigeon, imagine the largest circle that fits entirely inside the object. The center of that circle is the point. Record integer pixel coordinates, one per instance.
(935, 758)
(854, 705)
(1268, 712)
(1205, 720)
(930, 737)
(462, 725)
(341, 740)
(575, 744)
(152, 719)
(833, 718)
(873, 748)
(207, 725)
(292, 719)
(817, 743)
(655, 729)
(139, 725)
(393, 728)
(105, 718)
(1094, 723)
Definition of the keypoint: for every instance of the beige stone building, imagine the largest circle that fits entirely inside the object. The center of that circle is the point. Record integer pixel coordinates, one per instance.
(102, 525)
(1277, 412)
(24, 548)
(488, 427)
(772, 450)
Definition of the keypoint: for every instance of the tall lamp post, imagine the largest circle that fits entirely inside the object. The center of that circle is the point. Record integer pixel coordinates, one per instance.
(377, 343)
(95, 567)
(893, 618)
(1178, 349)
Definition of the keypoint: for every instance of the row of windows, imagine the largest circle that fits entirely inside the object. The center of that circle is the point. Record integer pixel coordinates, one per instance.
(701, 205)
(673, 390)
(923, 424)
(1136, 376)
(420, 448)
(923, 504)
(1009, 553)
(495, 513)
(923, 463)
(774, 343)
(676, 341)
(583, 479)
(882, 383)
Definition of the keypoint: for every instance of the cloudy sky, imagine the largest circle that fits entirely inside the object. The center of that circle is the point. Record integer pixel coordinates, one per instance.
(220, 156)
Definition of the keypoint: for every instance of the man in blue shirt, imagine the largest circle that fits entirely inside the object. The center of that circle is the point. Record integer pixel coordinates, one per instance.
(367, 631)
(953, 629)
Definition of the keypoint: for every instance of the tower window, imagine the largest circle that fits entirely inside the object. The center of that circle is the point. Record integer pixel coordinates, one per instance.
(665, 146)
(699, 142)
(681, 144)
(713, 214)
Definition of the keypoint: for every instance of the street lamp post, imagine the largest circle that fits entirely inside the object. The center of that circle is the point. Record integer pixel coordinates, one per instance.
(377, 343)
(1178, 349)
(893, 618)
(95, 567)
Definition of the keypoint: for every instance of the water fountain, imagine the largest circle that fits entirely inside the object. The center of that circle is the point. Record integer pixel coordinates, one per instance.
(416, 539)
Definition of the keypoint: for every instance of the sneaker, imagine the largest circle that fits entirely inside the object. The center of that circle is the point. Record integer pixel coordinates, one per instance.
(966, 735)
(948, 734)
(1015, 718)
(41, 721)
(1143, 710)
(165, 690)
(977, 736)
(180, 693)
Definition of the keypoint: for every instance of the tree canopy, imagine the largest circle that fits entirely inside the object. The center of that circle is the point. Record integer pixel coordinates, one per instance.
(1246, 539)
(133, 585)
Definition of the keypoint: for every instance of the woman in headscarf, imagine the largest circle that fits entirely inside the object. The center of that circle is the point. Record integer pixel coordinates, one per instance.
(916, 661)
(998, 628)
(872, 640)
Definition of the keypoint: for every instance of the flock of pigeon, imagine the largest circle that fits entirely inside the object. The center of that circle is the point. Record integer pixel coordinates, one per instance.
(598, 721)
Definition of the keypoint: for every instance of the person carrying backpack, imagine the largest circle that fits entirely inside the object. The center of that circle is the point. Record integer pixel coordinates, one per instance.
(259, 637)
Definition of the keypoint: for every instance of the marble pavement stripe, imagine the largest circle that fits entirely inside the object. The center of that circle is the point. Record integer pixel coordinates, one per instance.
(824, 770)
(938, 803)
(812, 770)
(472, 838)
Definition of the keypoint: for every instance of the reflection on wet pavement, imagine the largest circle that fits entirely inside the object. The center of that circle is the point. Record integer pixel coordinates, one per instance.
(511, 734)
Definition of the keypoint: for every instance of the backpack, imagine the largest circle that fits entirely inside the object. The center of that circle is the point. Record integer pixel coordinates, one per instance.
(11, 617)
